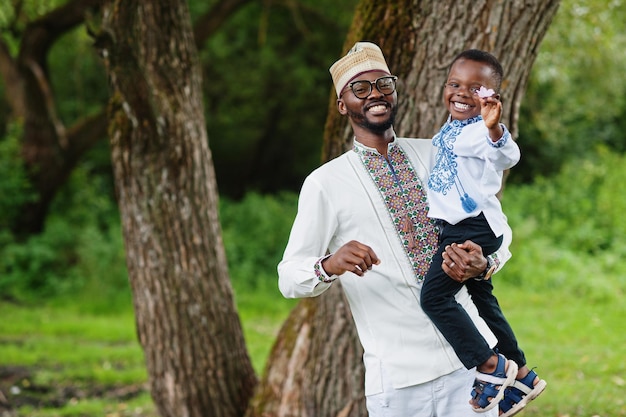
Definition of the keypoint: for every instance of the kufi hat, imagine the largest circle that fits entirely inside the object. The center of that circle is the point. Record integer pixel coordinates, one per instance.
(363, 57)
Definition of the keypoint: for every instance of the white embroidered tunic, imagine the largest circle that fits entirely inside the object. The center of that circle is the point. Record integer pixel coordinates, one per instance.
(468, 164)
(361, 196)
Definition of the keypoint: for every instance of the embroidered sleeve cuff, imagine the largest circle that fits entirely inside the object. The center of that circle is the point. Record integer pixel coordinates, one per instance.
(494, 262)
(320, 273)
(502, 141)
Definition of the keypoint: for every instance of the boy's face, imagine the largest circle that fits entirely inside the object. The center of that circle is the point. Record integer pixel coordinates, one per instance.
(464, 79)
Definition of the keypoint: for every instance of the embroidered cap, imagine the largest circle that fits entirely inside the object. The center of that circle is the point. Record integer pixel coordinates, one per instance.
(363, 57)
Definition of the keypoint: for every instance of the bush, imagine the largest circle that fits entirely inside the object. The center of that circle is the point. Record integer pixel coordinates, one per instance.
(255, 232)
(568, 230)
(568, 236)
(79, 252)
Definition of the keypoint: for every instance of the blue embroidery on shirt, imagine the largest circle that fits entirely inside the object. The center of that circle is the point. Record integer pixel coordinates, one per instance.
(445, 173)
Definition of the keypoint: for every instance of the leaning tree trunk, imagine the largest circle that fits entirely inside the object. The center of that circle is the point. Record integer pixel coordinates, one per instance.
(316, 362)
(50, 149)
(185, 314)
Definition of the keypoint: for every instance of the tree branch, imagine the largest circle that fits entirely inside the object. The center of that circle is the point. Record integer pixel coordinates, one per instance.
(12, 83)
(41, 34)
(84, 134)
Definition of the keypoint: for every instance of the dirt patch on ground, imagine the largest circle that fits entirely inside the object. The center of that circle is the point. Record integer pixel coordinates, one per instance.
(17, 389)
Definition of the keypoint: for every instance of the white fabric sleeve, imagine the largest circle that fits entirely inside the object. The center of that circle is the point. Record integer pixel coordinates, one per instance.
(312, 230)
(504, 153)
(502, 255)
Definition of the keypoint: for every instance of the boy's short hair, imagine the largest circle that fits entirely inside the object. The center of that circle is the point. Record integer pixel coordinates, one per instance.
(486, 58)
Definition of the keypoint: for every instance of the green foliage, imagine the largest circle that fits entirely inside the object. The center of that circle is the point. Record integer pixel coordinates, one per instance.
(255, 232)
(80, 250)
(15, 188)
(85, 91)
(267, 87)
(569, 229)
(580, 206)
(576, 96)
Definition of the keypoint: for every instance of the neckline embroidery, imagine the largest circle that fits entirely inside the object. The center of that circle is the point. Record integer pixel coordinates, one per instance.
(406, 203)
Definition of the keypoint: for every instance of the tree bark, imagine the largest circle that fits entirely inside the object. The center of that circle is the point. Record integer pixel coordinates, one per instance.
(197, 362)
(315, 367)
(419, 38)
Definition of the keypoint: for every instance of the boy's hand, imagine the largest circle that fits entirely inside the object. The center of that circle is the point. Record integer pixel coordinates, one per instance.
(491, 111)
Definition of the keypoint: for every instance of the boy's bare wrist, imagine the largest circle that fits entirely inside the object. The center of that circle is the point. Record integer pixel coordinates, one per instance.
(496, 133)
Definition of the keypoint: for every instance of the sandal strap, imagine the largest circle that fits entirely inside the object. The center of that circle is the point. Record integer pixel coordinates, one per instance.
(526, 384)
(491, 379)
(522, 387)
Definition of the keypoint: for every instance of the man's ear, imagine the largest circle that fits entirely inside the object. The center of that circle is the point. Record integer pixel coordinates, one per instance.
(341, 106)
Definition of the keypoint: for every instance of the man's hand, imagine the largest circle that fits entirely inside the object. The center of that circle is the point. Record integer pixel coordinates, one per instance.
(463, 261)
(351, 257)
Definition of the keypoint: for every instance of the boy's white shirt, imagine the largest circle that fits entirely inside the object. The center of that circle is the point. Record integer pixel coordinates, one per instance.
(479, 163)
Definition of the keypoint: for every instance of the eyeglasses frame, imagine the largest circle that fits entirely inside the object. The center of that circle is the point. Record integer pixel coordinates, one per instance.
(372, 84)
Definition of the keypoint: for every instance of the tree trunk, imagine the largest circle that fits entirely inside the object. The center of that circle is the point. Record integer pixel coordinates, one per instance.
(419, 38)
(315, 367)
(186, 318)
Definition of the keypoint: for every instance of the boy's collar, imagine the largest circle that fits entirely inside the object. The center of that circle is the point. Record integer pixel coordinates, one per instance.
(463, 122)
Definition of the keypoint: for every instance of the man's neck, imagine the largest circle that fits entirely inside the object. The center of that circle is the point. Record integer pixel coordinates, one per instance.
(379, 141)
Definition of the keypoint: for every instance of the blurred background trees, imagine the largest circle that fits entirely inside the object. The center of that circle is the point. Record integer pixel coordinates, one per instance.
(575, 101)
(266, 94)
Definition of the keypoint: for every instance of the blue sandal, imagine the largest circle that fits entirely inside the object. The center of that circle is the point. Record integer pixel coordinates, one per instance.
(521, 393)
(489, 388)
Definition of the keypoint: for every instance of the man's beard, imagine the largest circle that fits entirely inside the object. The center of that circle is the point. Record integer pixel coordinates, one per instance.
(381, 127)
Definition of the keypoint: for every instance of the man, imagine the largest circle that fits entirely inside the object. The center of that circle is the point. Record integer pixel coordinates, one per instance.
(362, 218)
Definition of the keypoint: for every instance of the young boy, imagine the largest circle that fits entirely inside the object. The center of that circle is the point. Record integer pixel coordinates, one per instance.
(472, 150)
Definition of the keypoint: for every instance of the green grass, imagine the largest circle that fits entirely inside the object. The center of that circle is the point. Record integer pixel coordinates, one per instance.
(575, 344)
(66, 347)
(64, 355)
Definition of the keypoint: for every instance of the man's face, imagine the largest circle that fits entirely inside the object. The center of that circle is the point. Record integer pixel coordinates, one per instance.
(459, 94)
(376, 112)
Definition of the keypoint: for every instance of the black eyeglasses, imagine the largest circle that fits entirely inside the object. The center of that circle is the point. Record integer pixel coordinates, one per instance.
(363, 88)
